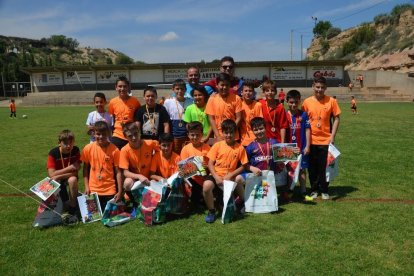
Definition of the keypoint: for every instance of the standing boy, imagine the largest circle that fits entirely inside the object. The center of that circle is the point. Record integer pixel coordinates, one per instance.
(320, 108)
(224, 158)
(176, 108)
(299, 133)
(63, 164)
(100, 169)
(250, 109)
(122, 109)
(12, 107)
(353, 106)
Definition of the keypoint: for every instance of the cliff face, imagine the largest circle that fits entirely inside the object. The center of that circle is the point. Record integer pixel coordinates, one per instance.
(392, 48)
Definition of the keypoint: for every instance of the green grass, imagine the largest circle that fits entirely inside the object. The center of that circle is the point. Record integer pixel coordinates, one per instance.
(334, 237)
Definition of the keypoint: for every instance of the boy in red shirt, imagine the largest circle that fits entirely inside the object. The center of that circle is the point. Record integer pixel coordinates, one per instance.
(224, 158)
(320, 108)
(101, 161)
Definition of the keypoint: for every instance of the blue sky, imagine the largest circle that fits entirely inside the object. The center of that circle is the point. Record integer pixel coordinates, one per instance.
(187, 30)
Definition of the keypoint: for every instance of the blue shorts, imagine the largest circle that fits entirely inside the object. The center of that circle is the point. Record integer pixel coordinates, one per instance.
(305, 162)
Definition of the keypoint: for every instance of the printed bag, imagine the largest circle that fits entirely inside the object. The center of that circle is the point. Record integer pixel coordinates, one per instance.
(177, 200)
(115, 214)
(153, 207)
(49, 212)
(228, 200)
(260, 193)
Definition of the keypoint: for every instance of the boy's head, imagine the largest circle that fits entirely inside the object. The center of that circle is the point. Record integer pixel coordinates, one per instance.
(293, 100)
(150, 96)
(352, 97)
(179, 88)
(228, 127)
(200, 95)
(248, 91)
(258, 127)
(223, 84)
(12, 100)
(132, 133)
(319, 87)
(166, 144)
(269, 89)
(99, 100)
(101, 132)
(66, 140)
(122, 87)
(195, 132)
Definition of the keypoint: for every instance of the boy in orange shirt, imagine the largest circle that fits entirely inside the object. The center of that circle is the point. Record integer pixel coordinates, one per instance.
(164, 163)
(122, 109)
(224, 158)
(353, 106)
(12, 107)
(222, 106)
(250, 110)
(101, 160)
(320, 108)
(195, 148)
(135, 158)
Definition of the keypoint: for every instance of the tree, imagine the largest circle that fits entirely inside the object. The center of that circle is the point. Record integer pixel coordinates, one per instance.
(322, 28)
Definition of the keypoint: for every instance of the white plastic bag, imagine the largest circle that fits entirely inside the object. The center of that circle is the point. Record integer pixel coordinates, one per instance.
(260, 193)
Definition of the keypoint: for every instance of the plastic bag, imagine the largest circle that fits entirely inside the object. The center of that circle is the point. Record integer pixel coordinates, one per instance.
(115, 214)
(260, 193)
(177, 200)
(153, 207)
(228, 200)
(49, 212)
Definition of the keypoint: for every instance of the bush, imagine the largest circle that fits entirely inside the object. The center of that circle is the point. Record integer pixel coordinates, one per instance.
(321, 28)
(381, 19)
(332, 32)
(325, 46)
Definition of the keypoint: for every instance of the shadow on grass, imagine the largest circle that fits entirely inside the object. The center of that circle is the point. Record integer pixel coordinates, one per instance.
(338, 192)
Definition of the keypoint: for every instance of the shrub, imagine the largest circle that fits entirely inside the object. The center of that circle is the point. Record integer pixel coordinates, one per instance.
(332, 32)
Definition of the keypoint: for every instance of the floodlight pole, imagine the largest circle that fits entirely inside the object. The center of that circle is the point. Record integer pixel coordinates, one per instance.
(301, 47)
(291, 45)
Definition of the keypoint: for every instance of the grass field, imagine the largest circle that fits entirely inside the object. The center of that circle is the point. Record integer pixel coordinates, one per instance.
(367, 228)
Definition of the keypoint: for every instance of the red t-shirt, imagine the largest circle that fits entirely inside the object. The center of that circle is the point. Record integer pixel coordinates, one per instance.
(275, 120)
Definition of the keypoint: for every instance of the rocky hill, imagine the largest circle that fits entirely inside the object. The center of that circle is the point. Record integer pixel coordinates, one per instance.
(385, 44)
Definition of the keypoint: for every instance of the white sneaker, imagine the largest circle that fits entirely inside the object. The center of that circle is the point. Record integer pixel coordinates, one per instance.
(325, 196)
(314, 195)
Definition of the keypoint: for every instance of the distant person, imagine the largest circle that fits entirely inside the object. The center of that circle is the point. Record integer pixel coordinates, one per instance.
(227, 67)
(152, 118)
(320, 108)
(122, 109)
(282, 96)
(12, 107)
(193, 80)
(100, 114)
(350, 86)
(360, 78)
(63, 164)
(161, 101)
(353, 106)
(101, 173)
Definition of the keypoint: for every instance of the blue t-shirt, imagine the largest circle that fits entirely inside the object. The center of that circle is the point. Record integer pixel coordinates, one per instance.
(261, 156)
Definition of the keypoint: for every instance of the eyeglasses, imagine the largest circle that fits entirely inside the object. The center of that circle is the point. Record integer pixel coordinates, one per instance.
(227, 66)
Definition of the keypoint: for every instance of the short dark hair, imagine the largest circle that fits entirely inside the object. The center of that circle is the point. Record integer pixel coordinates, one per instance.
(223, 77)
(122, 78)
(130, 127)
(178, 82)
(319, 79)
(249, 84)
(66, 135)
(166, 138)
(227, 58)
(256, 122)
(101, 126)
(196, 125)
(99, 95)
(202, 90)
(228, 125)
(269, 84)
(294, 94)
(151, 89)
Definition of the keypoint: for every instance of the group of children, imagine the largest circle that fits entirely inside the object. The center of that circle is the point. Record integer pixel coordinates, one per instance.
(234, 134)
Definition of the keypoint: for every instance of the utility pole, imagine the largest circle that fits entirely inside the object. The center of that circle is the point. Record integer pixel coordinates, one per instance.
(301, 47)
(291, 45)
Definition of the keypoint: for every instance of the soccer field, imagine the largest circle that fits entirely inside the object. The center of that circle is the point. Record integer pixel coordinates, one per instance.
(366, 228)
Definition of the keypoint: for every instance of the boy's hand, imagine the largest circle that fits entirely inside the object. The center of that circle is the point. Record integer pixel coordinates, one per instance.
(256, 171)
(87, 191)
(228, 176)
(219, 180)
(144, 180)
(306, 150)
(118, 196)
(76, 166)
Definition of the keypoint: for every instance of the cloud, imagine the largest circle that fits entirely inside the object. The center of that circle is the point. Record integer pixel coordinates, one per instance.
(169, 36)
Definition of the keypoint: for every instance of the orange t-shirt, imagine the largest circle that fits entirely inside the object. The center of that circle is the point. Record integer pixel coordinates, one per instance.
(138, 160)
(223, 108)
(123, 112)
(227, 157)
(248, 113)
(319, 113)
(164, 167)
(102, 162)
(12, 107)
(189, 150)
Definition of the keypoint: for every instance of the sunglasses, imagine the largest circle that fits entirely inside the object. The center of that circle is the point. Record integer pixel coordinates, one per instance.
(227, 66)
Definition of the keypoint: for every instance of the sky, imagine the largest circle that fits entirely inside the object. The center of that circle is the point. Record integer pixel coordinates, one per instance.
(188, 30)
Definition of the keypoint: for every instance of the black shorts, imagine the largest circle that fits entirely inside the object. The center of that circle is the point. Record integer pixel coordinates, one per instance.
(118, 142)
(103, 199)
(217, 191)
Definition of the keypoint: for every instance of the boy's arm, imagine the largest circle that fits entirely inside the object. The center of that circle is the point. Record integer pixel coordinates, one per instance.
(134, 176)
(282, 135)
(71, 170)
(254, 170)
(334, 129)
(236, 172)
(306, 150)
(205, 139)
(155, 177)
(86, 169)
(166, 127)
(118, 176)
(213, 126)
(238, 118)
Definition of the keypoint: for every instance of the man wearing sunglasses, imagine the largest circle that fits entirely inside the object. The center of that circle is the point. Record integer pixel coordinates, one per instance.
(227, 67)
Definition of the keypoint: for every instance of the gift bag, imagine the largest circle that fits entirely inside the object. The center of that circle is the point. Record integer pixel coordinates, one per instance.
(293, 172)
(260, 193)
(136, 191)
(280, 174)
(153, 207)
(49, 212)
(115, 214)
(228, 201)
(332, 168)
(177, 200)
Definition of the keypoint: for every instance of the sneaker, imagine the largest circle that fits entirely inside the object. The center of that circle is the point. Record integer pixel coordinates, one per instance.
(211, 217)
(312, 196)
(325, 196)
(69, 219)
